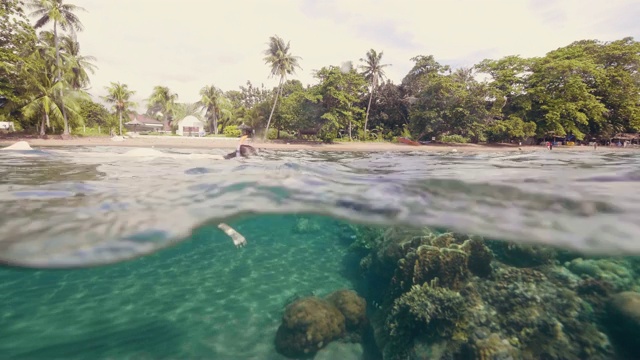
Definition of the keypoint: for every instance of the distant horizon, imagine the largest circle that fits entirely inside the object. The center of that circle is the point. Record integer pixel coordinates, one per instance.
(201, 47)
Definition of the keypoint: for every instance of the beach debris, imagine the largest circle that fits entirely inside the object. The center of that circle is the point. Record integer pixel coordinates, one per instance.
(117, 138)
(20, 145)
(238, 239)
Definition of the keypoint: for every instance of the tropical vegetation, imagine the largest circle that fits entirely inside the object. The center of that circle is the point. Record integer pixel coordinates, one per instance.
(588, 89)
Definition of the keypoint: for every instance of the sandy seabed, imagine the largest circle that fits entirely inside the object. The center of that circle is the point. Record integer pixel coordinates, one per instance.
(230, 143)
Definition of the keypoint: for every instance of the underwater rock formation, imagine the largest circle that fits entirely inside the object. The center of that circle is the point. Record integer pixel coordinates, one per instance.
(522, 255)
(308, 325)
(624, 321)
(311, 323)
(614, 272)
(352, 306)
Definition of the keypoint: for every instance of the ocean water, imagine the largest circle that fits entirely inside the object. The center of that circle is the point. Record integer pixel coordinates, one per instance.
(115, 253)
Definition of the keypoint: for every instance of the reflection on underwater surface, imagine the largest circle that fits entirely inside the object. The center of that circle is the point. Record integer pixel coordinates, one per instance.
(317, 224)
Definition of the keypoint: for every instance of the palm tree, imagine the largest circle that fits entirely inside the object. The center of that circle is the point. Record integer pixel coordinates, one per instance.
(62, 14)
(76, 64)
(164, 101)
(374, 73)
(46, 89)
(182, 110)
(119, 95)
(282, 64)
(214, 104)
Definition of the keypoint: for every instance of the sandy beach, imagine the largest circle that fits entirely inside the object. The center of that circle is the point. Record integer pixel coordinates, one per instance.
(230, 143)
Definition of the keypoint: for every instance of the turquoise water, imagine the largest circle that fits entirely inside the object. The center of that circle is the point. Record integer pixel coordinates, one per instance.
(119, 256)
(201, 299)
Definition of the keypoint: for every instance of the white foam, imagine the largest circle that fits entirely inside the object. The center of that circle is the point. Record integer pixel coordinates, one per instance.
(20, 145)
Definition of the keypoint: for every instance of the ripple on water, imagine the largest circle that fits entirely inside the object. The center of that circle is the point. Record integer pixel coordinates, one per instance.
(536, 197)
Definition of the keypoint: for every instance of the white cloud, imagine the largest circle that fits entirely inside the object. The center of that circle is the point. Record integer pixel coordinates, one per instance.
(191, 43)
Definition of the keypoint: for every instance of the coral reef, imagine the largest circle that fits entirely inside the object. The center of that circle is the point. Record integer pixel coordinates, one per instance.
(429, 310)
(449, 296)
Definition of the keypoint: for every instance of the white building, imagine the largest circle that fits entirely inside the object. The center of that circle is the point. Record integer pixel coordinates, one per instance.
(7, 125)
(190, 126)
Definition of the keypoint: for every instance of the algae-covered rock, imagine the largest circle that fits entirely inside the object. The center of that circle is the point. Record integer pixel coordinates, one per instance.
(308, 325)
(522, 255)
(352, 306)
(494, 347)
(624, 321)
(613, 271)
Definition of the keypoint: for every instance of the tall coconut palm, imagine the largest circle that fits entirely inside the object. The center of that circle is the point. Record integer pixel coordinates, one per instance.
(164, 101)
(76, 64)
(62, 15)
(213, 102)
(119, 95)
(46, 90)
(282, 64)
(43, 89)
(374, 73)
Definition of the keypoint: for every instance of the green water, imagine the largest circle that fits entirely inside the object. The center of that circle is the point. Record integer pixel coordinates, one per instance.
(201, 299)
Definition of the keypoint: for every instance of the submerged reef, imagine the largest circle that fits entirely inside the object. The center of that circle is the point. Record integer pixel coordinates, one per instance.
(311, 323)
(453, 296)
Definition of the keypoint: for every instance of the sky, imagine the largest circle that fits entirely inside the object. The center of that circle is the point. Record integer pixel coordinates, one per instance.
(188, 44)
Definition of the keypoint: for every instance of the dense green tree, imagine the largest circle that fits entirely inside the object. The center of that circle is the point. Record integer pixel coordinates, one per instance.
(561, 89)
(389, 115)
(17, 41)
(95, 114)
(341, 88)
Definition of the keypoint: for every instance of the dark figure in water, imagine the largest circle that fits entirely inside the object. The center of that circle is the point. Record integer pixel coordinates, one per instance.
(242, 150)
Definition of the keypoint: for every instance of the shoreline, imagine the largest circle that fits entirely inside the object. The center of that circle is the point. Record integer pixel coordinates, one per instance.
(230, 143)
